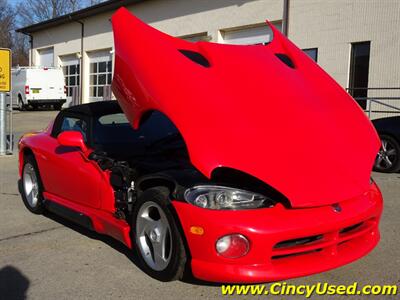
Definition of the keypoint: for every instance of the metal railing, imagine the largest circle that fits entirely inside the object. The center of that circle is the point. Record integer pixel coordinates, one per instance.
(378, 102)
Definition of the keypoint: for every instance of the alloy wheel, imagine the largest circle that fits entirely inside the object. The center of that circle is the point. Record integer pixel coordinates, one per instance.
(387, 156)
(20, 105)
(154, 236)
(31, 185)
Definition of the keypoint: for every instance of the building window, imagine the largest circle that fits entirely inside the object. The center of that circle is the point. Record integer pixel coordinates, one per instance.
(100, 80)
(312, 52)
(359, 71)
(72, 79)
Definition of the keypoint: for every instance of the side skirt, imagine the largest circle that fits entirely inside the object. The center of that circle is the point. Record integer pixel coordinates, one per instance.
(98, 220)
(69, 214)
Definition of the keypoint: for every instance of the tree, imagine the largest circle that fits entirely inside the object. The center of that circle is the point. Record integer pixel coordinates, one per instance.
(94, 2)
(20, 50)
(34, 11)
(29, 12)
(6, 24)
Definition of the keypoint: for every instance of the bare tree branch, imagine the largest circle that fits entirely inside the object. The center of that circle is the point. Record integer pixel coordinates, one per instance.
(6, 24)
(28, 12)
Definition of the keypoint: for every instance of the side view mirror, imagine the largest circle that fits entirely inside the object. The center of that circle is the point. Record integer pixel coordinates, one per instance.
(72, 139)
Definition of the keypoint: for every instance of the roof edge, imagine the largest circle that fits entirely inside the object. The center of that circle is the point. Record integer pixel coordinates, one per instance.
(77, 15)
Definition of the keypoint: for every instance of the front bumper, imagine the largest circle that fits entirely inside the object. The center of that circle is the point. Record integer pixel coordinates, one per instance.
(284, 243)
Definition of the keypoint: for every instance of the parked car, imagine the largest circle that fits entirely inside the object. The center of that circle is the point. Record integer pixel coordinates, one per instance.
(234, 162)
(388, 158)
(33, 87)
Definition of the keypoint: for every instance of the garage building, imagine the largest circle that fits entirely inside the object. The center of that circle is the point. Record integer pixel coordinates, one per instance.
(356, 42)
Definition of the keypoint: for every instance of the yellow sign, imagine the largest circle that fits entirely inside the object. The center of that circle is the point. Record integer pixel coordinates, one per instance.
(5, 70)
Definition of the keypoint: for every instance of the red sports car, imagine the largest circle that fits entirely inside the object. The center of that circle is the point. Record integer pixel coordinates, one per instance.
(244, 163)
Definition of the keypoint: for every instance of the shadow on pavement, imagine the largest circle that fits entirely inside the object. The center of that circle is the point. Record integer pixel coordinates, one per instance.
(94, 235)
(189, 279)
(13, 284)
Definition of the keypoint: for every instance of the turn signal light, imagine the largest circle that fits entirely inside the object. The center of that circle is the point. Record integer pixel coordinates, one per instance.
(197, 230)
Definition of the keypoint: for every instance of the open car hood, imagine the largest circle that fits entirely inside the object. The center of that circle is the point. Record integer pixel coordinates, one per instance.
(243, 107)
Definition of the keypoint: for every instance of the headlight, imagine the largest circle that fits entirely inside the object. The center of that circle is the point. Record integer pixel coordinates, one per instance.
(221, 197)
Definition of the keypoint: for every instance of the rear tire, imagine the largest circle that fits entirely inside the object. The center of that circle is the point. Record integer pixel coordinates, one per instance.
(21, 105)
(31, 186)
(156, 237)
(388, 158)
(57, 106)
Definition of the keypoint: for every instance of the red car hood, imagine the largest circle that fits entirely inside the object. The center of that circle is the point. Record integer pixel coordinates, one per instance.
(295, 128)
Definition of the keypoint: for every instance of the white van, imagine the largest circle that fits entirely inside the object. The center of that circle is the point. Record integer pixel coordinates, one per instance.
(38, 86)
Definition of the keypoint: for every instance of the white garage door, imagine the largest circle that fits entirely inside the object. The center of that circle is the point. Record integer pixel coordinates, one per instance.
(260, 34)
(46, 57)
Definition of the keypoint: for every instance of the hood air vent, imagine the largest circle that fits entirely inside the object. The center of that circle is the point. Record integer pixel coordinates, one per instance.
(285, 59)
(196, 57)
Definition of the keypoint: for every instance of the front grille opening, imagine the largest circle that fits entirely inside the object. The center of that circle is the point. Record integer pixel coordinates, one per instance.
(296, 254)
(350, 228)
(298, 242)
(196, 57)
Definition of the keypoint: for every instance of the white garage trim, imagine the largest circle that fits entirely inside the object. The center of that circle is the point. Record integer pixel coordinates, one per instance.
(257, 34)
(71, 59)
(99, 56)
(203, 36)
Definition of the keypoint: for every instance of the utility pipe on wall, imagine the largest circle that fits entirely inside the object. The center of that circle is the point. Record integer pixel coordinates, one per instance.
(285, 18)
(81, 63)
(31, 51)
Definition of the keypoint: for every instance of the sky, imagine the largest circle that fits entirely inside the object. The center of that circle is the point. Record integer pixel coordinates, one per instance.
(14, 2)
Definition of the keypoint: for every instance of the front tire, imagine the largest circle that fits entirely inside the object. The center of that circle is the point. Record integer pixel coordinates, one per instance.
(388, 158)
(21, 105)
(156, 237)
(31, 186)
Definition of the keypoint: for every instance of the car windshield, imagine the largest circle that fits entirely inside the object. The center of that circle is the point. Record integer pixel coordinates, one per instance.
(115, 130)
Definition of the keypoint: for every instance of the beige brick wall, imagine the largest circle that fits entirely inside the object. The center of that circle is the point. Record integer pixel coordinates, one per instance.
(330, 25)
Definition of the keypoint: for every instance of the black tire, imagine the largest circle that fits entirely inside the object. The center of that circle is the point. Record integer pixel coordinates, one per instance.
(21, 105)
(177, 256)
(57, 106)
(389, 153)
(30, 163)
